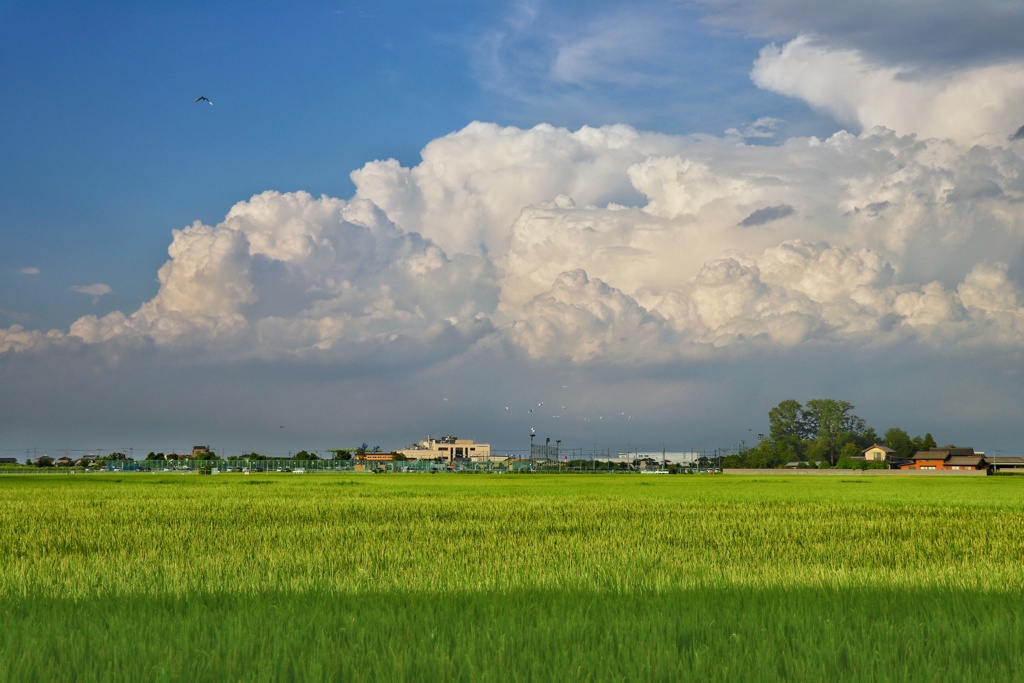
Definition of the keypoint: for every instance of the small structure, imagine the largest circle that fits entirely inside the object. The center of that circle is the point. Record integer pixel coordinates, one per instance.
(199, 451)
(376, 457)
(1006, 463)
(949, 458)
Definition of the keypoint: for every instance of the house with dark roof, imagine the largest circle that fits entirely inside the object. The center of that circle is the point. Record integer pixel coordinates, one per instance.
(948, 458)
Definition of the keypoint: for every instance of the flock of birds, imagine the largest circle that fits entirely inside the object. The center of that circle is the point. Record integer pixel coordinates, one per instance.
(563, 412)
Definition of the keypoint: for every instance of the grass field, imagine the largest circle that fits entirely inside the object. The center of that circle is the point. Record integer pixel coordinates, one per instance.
(443, 577)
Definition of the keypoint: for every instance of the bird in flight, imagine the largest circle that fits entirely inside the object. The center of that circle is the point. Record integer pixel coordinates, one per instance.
(203, 98)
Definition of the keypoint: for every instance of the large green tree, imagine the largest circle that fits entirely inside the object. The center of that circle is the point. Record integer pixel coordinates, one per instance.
(787, 433)
(787, 421)
(819, 431)
(834, 425)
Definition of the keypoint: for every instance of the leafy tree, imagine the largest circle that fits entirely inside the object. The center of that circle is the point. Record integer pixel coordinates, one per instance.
(817, 431)
(899, 441)
(761, 458)
(306, 455)
(733, 461)
(850, 451)
(833, 424)
(866, 438)
(44, 461)
(923, 444)
(770, 453)
(340, 454)
(844, 463)
(788, 423)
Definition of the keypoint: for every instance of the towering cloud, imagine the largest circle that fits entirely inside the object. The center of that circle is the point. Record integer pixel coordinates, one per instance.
(606, 245)
(291, 274)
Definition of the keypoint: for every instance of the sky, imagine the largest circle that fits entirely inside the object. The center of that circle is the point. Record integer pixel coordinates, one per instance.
(621, 225)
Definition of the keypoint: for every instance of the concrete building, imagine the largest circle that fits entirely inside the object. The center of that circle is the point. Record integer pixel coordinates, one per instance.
(448, 448)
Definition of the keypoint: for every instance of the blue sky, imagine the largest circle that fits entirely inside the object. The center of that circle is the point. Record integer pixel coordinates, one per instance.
(106, 151)
(687, 166)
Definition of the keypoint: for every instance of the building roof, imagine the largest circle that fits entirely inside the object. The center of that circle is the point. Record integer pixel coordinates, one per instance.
(882, 448)
(966, 460)
(943, 453)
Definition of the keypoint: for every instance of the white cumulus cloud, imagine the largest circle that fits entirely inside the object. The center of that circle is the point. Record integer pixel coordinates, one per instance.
(601, 245)
(289, 273)
(972, 105)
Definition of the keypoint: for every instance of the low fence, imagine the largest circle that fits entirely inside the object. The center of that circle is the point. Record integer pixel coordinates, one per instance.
(517, 466)
(866, 473)
(539, 466)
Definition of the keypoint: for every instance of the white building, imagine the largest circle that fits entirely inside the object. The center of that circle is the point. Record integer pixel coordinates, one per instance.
(448, 448)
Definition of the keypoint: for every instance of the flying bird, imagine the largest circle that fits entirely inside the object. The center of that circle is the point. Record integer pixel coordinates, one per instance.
(203, 98)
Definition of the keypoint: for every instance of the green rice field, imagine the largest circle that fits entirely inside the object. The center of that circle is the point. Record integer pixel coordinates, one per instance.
(171, 577)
